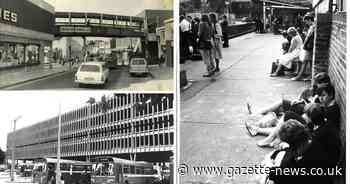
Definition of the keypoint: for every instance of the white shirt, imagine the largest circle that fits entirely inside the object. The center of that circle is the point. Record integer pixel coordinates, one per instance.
(185, 25)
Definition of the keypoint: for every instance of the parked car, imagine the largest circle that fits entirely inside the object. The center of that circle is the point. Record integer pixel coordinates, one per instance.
(92, 73)
(138, 66)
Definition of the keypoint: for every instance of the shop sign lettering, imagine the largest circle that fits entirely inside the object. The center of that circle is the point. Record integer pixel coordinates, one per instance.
(8, 16)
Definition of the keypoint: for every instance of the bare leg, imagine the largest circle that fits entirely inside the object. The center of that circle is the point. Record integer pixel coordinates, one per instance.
(266, 131)
(271, 138)
(278, 70)
(271, 108)
(301, 72)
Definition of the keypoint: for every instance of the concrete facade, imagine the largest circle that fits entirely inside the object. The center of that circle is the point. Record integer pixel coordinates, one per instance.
(124, 124)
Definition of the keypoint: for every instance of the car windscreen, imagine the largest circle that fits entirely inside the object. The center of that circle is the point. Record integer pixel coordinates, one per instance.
(89, 68)
(138, 62)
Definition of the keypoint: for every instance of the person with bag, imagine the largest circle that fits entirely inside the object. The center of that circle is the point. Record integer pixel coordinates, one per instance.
(205, 44)
(217, 40)
(307, 49)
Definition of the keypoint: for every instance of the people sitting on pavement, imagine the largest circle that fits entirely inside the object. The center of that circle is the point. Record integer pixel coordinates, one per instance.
(302, 152)
(271, 127)
(285, 61)
(308, 45)
(268, 118)
(308, 95)
(285, 47)
(324, 131)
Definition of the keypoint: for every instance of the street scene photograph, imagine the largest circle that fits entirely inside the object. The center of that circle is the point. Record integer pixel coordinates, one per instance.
(262, 91)
(83, 45)
(68, 137)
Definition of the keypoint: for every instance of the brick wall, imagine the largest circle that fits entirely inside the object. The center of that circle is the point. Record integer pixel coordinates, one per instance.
(337, 68)
(321, 46)
(330, 56)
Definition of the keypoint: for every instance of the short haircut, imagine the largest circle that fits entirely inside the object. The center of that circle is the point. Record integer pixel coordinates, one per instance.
(294, 133)
(329, 90)
(309, 16)
(292, 31)
(322, 77)
(205, 18)
(316, 113)
(292, 115)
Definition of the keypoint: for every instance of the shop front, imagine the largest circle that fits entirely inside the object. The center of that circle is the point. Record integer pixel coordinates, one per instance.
(25, 32)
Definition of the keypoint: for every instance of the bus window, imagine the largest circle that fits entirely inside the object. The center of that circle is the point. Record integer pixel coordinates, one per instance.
(132, 169)
(126, 169)
(103, 169)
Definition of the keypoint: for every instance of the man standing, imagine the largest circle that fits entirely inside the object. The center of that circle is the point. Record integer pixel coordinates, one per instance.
(185, 39)
(224, 26)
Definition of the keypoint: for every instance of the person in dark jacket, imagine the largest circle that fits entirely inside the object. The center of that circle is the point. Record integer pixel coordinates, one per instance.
(303, 154)
(205, 44)
(224, 26)
(325, 132)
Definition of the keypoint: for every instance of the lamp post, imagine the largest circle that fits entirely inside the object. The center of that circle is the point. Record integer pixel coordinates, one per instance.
(13, 148)
(58, 168)
(227, 3)
(90, 102)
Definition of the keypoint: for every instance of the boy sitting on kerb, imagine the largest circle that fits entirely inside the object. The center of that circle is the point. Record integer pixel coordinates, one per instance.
(268, 118)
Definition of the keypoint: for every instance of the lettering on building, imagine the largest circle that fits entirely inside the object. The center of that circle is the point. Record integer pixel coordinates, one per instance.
(8, 16)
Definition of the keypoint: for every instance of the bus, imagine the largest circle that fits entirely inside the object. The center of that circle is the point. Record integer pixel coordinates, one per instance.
(72, 172)
(111, 170)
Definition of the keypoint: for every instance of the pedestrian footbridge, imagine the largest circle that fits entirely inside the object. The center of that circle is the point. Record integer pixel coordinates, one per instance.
(69, 24)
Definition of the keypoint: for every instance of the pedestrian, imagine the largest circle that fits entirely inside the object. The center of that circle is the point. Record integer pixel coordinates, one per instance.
(224, 26)
(185, 39)
(217, 39)
(205, 44)
(307, 49)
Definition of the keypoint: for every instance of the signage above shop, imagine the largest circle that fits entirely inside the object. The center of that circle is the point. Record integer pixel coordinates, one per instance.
(8, 16)
(69, 29)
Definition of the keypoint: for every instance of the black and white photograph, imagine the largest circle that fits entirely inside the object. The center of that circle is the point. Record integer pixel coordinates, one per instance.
(262, 91)
(82, 45)
(83, 138)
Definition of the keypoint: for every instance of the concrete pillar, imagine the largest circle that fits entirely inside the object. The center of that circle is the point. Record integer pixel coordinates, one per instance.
(320, 60)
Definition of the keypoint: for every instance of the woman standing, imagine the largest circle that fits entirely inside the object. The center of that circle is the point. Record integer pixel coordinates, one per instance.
(205, 45)
(217, 38)
(285, 61)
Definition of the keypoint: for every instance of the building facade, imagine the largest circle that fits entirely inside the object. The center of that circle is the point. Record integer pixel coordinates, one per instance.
(125, 124)
(25, 31)
(152, 20)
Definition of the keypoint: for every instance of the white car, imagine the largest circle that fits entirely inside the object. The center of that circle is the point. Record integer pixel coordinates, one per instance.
(138, 66)
(92, 73)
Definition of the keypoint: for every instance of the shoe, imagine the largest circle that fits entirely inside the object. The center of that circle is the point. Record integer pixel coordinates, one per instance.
(296, 79)
(206, 75)
(274, 75)
(217, 70)
(264, 144)
(252, 132)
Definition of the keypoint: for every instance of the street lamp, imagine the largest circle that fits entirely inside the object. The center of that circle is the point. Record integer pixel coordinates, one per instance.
(91, 101)
(13, 148)
(58, 165)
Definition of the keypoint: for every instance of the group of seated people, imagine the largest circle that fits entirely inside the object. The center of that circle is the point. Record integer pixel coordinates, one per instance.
(306, 130)
(297, 50)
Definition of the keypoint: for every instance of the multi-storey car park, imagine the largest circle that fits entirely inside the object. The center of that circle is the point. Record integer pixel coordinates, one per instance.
(123, 125)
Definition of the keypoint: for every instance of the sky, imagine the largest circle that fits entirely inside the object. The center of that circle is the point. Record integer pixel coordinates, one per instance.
(119, 7)
(36, 106)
